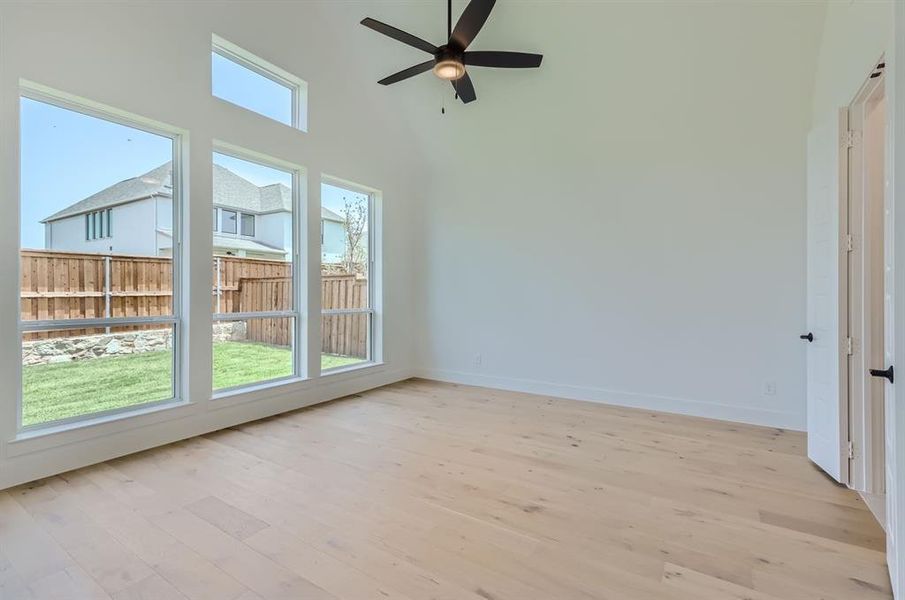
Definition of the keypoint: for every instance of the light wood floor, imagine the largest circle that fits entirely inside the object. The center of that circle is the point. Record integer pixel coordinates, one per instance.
(423, 491)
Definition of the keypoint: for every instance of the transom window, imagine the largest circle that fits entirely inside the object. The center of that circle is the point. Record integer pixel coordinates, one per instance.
(251, 82)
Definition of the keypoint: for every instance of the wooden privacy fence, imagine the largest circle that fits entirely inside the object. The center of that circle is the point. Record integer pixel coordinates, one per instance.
(344, 334)
(67, 285)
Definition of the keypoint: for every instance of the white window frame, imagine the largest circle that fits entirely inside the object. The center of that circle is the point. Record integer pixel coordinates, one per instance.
(296, 313)
(375, 286)
(297, 86)
(67, 102)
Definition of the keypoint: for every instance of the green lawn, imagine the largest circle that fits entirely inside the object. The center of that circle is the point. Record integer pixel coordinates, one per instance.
(59, 391)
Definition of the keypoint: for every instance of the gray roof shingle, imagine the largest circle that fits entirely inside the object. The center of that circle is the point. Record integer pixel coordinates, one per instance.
(230, 191)
(154, 182)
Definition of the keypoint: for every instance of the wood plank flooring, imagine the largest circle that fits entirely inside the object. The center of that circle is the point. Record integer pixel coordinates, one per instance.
(422, 490)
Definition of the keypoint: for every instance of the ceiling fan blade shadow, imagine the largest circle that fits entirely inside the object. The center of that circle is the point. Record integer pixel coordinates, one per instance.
(399, 35)
(503, 60)
(465, 89)
(406, 73)
(470, 23)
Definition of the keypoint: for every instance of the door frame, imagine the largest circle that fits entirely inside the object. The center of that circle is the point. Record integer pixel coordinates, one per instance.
(863, 309)
(895, 229)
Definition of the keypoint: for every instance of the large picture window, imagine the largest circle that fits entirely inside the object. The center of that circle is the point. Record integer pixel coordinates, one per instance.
(256, 316)
(99, 305)
(346, 277)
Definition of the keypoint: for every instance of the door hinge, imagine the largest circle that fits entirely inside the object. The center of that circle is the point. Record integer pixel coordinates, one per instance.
(850, 138)
(848, 242)
(849, 346)
(851, 449)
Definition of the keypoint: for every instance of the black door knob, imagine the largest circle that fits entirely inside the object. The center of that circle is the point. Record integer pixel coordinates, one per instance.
(887, 373)
(809, 337)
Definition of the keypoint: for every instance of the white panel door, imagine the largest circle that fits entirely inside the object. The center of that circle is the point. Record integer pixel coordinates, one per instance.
(827, 421)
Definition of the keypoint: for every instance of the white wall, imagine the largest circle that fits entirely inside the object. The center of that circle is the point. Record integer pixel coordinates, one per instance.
(855, 36)
(627, 225)
(112, 53)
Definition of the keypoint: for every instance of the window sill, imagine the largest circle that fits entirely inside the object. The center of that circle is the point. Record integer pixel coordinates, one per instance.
(53, 435)
(259, 391)
(364, 366)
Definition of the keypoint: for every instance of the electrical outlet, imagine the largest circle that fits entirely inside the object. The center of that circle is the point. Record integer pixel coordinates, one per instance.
(478, 360)
(770, 388)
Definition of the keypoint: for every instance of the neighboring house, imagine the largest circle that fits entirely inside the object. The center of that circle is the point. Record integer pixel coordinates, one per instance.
(333, 237)
(135, 216)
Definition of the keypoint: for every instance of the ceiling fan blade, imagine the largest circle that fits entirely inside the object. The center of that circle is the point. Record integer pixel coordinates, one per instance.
(465, 89)
(470, 23)
(399, 35)
(503, 60)
(406, 73)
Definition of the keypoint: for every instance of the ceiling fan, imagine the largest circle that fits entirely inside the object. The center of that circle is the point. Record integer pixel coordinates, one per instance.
(451, 60)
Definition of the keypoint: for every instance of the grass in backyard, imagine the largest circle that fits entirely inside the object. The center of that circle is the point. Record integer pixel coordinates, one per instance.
(59, 391)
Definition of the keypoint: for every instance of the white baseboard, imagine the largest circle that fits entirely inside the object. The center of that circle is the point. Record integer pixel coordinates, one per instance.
(877, 505)
(695, 408)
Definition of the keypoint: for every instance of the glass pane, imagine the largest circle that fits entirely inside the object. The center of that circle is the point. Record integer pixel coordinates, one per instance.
(252, 351)
(75, 170)
(345, 340)
(249, 89)
(252, 273)
(229, 221)
(344, 226)
(248, 225)
(345, 273)
(75, 373)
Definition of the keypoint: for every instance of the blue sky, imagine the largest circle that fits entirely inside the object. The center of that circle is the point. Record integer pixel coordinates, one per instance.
(67, 156)
(246, 88)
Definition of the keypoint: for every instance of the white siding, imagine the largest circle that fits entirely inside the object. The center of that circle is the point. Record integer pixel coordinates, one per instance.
(275, 230)
(164, 213)
(133, 231)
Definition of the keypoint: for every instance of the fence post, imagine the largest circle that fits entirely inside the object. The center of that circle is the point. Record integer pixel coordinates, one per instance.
(107, 290)
(219, 285)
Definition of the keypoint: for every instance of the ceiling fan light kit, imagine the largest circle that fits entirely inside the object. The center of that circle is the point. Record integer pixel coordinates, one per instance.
(451, 60)
(449, 69)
